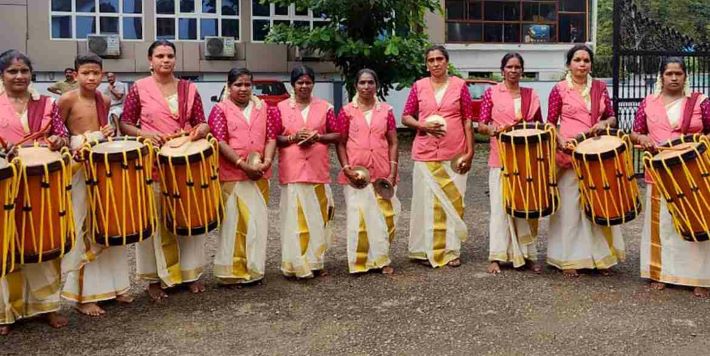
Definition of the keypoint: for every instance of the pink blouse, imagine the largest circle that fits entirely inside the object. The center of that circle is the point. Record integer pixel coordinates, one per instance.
(132, 109)
(554, 106)
(641, 125)
(411, 108)
(218, 123)
(342, 117)
(274, 126)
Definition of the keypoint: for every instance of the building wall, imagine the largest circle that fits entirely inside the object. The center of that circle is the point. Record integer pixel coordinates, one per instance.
(25, 25)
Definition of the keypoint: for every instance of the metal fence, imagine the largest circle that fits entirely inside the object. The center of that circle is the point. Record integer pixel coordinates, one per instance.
(639, 46)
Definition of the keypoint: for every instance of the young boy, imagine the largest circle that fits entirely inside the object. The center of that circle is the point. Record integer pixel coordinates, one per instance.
(95, 272)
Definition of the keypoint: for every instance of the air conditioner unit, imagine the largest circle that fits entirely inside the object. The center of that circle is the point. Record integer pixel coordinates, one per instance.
(104, 45)
(219, 47)
(306, 54)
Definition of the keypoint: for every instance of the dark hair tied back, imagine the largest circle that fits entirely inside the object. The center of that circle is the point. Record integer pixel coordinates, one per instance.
(510, 55)
(301, 71)
(669, 60)
(367, 71)
(235, 73)
(10, 55)
(439, 48)
(159, 43)
(579, 47)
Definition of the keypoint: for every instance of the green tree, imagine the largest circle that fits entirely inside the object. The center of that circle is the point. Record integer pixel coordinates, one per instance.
(383, 35)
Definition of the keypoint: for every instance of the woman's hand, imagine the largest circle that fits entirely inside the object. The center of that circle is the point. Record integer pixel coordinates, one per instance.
(254, 173)
(433, 128)
(353, 176)
(199, 132)
(646, 143)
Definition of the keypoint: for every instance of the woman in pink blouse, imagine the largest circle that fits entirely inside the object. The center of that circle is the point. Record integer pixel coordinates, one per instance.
(439, 108)
(370, 141)
(512, 240)
(155, 107)
(305, 127)
(579, 104)
(670, 113)
(239, 123)
(22, 112)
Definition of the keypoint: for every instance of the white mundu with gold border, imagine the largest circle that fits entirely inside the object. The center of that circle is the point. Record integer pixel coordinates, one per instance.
(241, 249)
(436, 225)
(371, 226)
(94, 272)
(574, 241)
(30, 290)
(306, 211)
(511, 239)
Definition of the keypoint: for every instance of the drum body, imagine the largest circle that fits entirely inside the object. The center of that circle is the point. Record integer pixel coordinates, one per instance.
(191, 193)
(682, 173)
(609, 193)
(8, 193)
(121, 198)
(44, 218)
(529, 174)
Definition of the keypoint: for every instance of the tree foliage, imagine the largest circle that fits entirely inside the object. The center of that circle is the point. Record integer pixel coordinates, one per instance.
(383, 35)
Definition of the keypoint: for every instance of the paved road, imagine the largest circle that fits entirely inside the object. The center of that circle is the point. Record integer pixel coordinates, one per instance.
(417, 310)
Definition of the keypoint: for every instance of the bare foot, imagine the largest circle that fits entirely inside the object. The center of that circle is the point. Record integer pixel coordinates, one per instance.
(387, 270)
(570, 273)
(456, 262)
(57, 320)
(197, 287)
(534, 266)
(606, 272)
(493, 268)
(4, 330)
(658, 286)
(320, 273)
(701, 292)
(90, 309)
(156, 293)
(124, 298)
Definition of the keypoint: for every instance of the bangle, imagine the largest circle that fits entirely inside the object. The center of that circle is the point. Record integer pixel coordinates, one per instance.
(394, 162)
(347, 166)
(239, 161)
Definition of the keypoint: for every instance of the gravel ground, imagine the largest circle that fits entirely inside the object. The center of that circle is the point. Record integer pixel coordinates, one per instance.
(416, 310)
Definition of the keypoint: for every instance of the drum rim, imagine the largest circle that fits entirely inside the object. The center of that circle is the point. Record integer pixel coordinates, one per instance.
(118, 156)
(192, 231)
(617, 220)
(6, 172)
(53, 166)
(618, 150)
(182, 160)
(536, 214)
(545, 135)
(117, 240)
(685, 156)
(47, 255)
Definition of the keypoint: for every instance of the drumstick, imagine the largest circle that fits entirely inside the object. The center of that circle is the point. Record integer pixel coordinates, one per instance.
(34, 135)
(508, 127)
(660, 148)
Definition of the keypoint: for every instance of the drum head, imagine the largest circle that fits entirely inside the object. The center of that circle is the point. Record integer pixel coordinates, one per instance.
(37, 156)
(599, 144)
(676, 151)
(4, 163)
(116, 146)
(523, 132)
(187, 149)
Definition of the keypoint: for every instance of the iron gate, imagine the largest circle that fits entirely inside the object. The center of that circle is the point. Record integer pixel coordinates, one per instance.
(639, 43)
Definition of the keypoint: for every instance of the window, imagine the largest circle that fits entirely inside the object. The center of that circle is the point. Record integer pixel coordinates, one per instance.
(266, 15)
(192, 20)
(76, 19)
(516, 21)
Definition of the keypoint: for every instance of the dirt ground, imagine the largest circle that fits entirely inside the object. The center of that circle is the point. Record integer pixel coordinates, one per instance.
(417, 310)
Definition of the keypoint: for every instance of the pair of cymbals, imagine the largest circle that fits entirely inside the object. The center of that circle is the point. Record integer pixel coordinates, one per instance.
(254, 158)
(382, 186)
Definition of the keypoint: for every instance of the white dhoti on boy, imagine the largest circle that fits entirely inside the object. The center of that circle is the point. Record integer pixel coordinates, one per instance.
(32, 289)
(436, 224)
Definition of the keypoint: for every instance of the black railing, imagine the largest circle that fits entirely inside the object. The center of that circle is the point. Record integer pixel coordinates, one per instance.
(639, 45)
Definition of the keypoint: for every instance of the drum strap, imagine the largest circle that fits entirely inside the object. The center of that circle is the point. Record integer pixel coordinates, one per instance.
(35, 113)
(183, 90)
(101, 112)
(688, 112)
(596, 96)
(525, 102)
